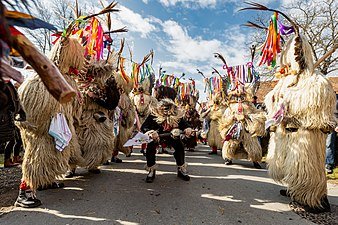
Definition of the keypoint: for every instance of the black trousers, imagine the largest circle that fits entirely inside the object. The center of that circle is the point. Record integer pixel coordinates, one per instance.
(176, 143)
(189, 142)
(12, 146)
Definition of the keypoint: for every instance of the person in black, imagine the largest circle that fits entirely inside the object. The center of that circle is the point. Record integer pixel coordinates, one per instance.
(10, 111)
(165, 124)
(192, 117)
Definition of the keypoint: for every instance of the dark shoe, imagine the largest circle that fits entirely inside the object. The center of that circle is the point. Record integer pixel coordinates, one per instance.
(256, 165)
(106, 163)
(284, 192)
(228, 162)
(70, 173)
(9, 163)
(26, 199)
(191, 149)
(183, 175)
(213, 153)
(115, 159)
(325, 207)
(329, 169)
(95, 171)
(151, 176)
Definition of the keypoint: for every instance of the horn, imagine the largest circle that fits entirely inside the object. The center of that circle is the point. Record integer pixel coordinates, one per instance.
(257, 6)
(219, 56)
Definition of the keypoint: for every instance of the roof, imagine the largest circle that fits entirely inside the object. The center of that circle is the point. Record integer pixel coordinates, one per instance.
(266, 86)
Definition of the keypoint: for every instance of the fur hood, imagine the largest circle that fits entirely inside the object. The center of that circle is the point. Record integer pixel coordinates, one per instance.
(166, 110)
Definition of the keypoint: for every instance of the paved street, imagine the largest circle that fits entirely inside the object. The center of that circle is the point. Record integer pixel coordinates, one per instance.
(216, 194)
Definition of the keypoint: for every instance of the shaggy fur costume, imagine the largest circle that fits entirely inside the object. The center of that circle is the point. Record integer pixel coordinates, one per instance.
(296, 155)
(126, 125)
(214, 116)
(143, 102)
(42, 162)
(96, 138)
(252, 121)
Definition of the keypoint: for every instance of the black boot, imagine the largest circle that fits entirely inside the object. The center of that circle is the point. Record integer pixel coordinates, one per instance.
(284, 192)
(182, 173)
(325, 207)
(26, 199)
(70, 173)
(228, 161)
(256, 165)
(151, 176)
(115, 159)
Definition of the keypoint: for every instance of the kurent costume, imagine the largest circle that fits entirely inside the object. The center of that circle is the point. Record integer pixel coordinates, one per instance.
(213, 115)
(126, 118)
(165, 124)
(93, 127)
(239, 127)
(46, 159)
(242, 122)
(302, 110)
(297, 147)
(143, 80)
(42, 162)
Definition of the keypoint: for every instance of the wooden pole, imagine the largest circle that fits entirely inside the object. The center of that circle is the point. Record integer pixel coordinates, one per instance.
(49, 73)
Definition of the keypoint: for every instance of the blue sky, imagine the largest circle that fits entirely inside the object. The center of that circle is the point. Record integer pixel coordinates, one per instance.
(184, 34)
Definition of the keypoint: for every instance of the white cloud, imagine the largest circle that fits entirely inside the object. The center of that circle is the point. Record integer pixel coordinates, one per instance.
(203, 3)
(133, 21)
(190, 3)
(186, 49)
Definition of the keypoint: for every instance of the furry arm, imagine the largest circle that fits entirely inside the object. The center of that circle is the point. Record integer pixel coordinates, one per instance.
(112, 96)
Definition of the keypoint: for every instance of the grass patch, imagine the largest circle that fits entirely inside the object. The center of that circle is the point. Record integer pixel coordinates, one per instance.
(334, 175)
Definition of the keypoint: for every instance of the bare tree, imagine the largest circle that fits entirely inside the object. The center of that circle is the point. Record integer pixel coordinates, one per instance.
(319, 21)
(41, 37)
(62, 13)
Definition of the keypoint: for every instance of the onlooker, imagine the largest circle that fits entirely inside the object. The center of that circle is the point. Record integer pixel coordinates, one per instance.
(10, 109)
(331, 146)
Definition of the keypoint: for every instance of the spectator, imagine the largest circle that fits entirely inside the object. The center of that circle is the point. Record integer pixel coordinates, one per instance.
(10, 109)
(331, 146)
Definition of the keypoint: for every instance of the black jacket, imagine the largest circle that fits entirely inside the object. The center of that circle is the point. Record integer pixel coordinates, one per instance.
(151, 124)
(8, 112)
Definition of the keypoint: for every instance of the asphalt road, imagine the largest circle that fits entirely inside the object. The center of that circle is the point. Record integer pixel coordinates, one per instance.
(216, 194)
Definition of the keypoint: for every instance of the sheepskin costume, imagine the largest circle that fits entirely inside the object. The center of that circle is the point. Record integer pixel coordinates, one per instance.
(216, 111)
(94, 128)
(142, 100)
(240, 125)
(296, 155)
(43, 163)
(127, 117)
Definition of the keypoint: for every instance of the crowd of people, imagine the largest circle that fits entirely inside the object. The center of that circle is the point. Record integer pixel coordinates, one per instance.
(109, 106)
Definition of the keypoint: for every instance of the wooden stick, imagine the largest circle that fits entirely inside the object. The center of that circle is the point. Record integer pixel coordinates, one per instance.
(10, 72)
(49, 73)
(334, 48)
